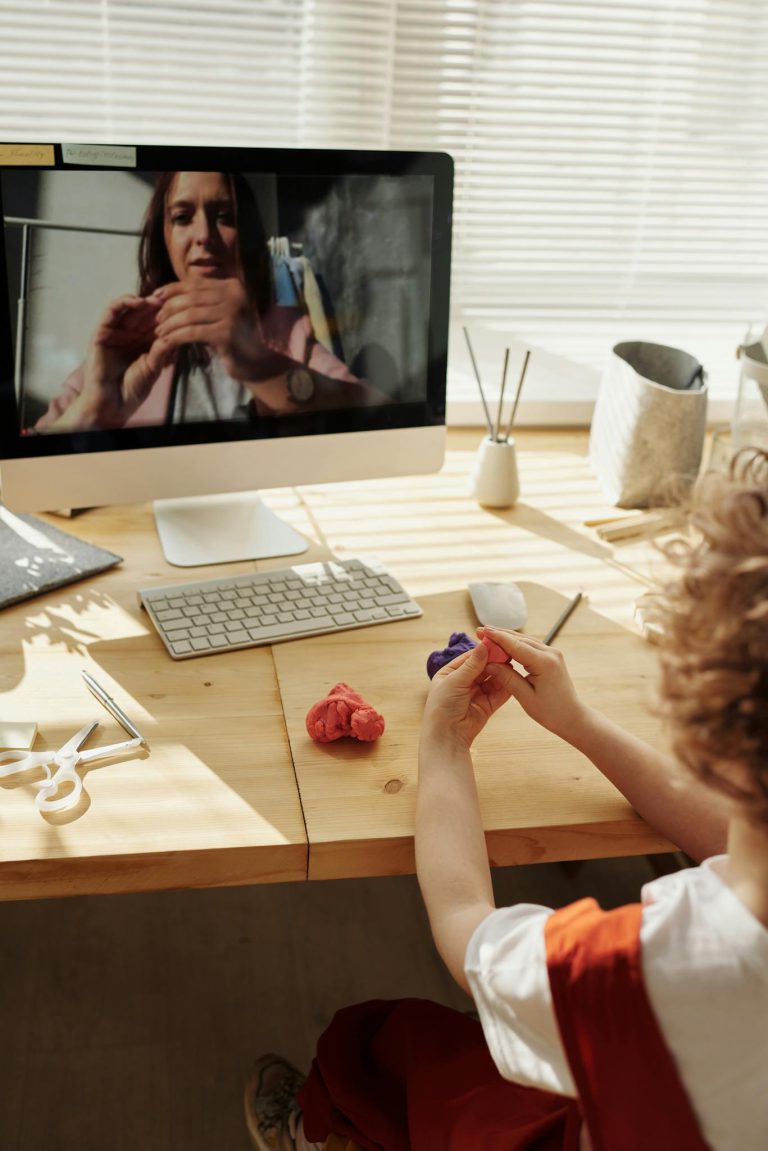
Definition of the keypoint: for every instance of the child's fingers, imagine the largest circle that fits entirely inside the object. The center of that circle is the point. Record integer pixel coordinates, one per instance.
(528, 640)
(530, 653)
(508, 681)
(466, 666)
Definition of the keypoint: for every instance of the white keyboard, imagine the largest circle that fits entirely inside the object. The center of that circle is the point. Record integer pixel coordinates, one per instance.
(199, 618)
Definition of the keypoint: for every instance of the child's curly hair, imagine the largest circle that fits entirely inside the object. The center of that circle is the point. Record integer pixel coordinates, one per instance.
(714, 649)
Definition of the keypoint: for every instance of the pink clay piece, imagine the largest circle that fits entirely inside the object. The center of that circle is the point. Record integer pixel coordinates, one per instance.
(496, 654)
(343, 712)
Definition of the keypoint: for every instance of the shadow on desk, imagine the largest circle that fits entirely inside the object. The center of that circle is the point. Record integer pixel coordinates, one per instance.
(530, 518)
(56, 621)
(219, 756)
(214, 802)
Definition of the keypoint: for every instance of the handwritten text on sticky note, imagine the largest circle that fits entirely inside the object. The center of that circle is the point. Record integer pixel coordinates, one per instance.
(103, 155)
(26, 154)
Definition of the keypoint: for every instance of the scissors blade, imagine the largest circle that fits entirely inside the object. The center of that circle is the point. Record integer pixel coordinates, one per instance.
(110, 750)
(72, 745)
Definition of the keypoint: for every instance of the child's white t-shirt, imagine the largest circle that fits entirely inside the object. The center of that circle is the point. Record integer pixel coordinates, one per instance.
(705, 967)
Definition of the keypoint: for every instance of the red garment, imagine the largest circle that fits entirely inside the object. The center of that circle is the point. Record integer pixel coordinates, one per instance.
(628, 1084)
(410, 1075)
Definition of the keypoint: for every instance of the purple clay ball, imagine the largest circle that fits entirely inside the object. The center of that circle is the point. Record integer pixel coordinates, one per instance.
(458, 642)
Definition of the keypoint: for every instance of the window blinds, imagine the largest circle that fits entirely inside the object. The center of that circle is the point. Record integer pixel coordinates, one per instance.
(611, 156)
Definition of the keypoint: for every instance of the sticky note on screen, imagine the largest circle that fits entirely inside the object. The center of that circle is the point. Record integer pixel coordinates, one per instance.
(26, 155)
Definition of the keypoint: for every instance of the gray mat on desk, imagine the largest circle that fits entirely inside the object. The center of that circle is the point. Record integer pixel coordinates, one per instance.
(36, 558)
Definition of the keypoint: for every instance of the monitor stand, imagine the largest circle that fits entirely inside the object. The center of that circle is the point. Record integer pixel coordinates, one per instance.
(223, 529)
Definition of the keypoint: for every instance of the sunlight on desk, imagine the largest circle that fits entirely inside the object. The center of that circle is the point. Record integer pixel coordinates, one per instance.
(434, 537)
(213, 802)
(540, 799)
(232, 775)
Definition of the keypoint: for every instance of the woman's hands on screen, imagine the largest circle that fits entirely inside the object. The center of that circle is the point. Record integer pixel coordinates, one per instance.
(216, 313)
(125, 359)
(137, 337)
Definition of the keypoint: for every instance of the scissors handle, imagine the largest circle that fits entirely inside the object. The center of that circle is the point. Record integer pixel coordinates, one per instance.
(66, 773)
(15, 761)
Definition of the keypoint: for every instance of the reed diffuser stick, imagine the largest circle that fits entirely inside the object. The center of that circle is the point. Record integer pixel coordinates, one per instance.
(480, 386)
(513, 413)
(497, 436)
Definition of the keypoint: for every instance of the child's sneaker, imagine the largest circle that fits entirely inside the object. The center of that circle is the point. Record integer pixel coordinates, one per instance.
(272, 1114)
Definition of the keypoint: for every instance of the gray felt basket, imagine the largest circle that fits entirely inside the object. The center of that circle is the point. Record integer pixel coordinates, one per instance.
(648, 426)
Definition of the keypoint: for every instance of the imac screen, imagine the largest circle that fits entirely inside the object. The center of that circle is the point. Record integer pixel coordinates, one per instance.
(208, 295)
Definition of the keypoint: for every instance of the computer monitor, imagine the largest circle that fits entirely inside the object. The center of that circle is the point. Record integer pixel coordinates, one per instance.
(182, 322)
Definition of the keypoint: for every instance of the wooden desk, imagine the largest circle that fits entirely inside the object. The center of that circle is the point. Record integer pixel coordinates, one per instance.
(216, 800)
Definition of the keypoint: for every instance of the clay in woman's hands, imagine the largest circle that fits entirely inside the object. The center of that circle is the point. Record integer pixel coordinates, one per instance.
(343, 712)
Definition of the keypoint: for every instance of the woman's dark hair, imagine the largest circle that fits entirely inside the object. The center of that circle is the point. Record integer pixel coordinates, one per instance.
(253, 254)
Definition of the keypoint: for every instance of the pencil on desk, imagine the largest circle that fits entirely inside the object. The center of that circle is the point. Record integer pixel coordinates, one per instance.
(563, 618)
(649, 524)
(598, 523)
(112, 708)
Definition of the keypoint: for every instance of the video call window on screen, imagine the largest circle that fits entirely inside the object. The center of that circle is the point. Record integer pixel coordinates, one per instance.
(147, 299)
(191, 325)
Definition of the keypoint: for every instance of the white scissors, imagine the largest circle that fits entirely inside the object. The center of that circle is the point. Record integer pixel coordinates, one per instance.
(60, 767)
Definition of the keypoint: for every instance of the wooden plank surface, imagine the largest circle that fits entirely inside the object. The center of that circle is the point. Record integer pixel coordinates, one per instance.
(540, 799)
(213, 801)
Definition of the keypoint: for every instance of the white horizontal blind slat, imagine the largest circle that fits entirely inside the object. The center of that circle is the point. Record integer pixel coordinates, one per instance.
(611, 159)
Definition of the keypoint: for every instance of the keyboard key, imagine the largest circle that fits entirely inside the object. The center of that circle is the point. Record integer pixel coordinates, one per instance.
(286, 630)
(170, 613)
(238, 636)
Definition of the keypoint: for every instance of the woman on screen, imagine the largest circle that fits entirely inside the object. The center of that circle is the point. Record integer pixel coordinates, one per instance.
(204, 338)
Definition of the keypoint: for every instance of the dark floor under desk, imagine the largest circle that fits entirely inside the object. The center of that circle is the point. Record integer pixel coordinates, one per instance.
(129, 1022)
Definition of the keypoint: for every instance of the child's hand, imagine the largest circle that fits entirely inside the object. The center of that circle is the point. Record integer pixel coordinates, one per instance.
(463, 697)
(547, 693)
